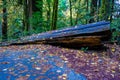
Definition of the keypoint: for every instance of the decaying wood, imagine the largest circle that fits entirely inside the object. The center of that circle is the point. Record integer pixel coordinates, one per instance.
(81, 35)
(78, 41)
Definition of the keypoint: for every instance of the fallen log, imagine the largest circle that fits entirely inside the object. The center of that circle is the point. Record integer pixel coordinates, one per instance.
(82, 35)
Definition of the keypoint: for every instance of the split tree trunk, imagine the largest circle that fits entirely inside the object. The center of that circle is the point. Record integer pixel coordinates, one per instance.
(80, 35)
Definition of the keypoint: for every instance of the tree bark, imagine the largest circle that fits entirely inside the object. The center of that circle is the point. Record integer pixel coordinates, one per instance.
(98, 7)
(71, 22)
(30, 14)
(77, 14)
(4, 22)
(105, 10)
(48, 14)
(112, 9)
(26, 16)
(30, 7)
(93, 10)
(54, 15)
(87, 9)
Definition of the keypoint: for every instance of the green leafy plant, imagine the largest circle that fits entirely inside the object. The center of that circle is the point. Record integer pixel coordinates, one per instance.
(84, 49)
(115, 26)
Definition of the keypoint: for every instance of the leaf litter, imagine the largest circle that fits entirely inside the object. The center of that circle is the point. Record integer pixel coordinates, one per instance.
(45, 62)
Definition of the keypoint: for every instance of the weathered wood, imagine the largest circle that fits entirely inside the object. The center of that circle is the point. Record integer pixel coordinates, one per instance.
(77, 30)
(78, 41)
(70, 41)
(84, 35)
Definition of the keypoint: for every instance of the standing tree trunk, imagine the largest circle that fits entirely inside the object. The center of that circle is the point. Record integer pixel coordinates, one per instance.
(48, 14)
(87, 9)
(54, 15)
(105, 10)
(98, 7)
(30, 7)
(30, 14)
(26, 15)
(77, 14)
(112, 9)
(93, 10)
(71, 22)
(4, 22)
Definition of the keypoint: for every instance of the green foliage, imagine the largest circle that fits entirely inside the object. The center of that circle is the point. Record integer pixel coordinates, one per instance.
(115, 26)
(14, 18)
(16, 28)
(84, 49)
(35, 20)
(41, 20)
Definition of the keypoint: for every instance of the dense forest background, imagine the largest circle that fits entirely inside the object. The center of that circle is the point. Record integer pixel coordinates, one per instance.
(19, 18)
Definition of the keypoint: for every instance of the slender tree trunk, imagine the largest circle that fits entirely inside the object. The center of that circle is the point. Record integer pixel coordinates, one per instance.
(4, 22)
(105, 10)
(77, 14)
(76, 21)
(29, 9)
(30, 14)
(93, 10)
(26, 15)
(98, 9)
(48, 13)
(112, 9)
(54, 15)
(71, 22)
(87, 9)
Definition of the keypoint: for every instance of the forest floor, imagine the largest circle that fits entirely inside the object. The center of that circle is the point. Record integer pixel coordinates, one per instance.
(46, 62)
